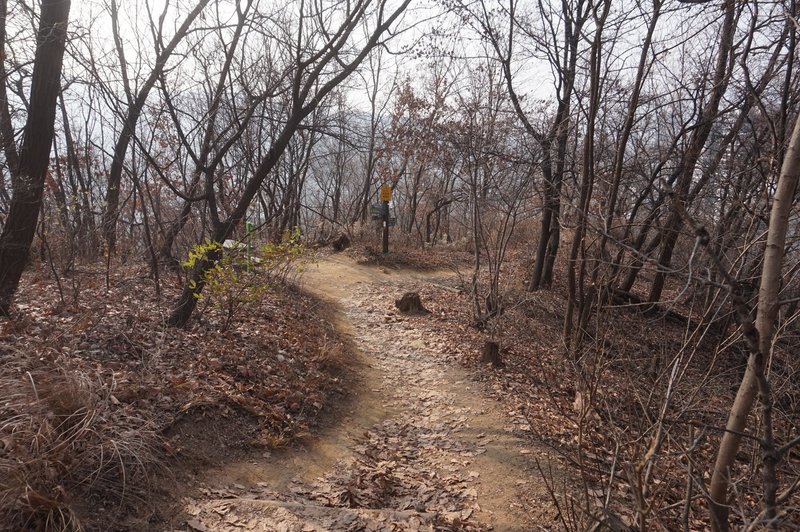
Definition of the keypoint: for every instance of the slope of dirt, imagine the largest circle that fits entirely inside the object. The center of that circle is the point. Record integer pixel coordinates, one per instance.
(100, 399)
(422, 448)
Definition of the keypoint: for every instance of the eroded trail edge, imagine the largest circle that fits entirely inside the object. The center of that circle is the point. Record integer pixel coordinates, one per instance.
(423, 449)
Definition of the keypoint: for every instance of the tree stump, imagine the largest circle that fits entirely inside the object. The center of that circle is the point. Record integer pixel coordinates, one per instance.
(341, 242)
(491, 354)
(410, 303)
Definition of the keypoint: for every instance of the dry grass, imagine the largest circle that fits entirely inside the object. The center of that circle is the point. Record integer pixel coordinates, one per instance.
(96, 396)
(68, 446)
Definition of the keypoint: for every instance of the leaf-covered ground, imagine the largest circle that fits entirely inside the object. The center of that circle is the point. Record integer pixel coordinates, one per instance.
(599, 413)
(151, 401)
(281, 423)
(437, 455)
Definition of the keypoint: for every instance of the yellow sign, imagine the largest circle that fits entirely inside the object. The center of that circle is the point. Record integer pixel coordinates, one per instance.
(386, 193)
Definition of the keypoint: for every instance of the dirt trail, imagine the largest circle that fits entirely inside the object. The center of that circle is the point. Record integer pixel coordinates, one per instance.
(422, 448)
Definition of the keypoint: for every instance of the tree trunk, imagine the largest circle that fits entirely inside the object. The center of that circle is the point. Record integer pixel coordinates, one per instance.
(672, 228)
(84, 215)
(438, 205)
(766, 317)
(34, 156)
(129, 126)
(60, 197)
(574, 17)
(6, 125)
(202, 164)
(411, 303)
(546, 223)
(188, 300)
(625, 134)
(491, 354)
(303, 103)
(576, 271)
(414, 199)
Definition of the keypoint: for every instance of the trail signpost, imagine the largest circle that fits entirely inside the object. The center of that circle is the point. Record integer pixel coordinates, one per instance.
(386, 197)
(249, 229)
(386, 193)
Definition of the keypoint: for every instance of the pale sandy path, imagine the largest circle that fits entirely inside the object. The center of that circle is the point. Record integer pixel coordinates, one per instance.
(422, 448)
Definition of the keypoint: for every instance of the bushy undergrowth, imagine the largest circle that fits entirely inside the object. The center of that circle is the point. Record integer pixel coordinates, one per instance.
(242, 273)
(67, 446)
(638, 410)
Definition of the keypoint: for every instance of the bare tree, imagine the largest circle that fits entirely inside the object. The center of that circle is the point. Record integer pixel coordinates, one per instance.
(754, 380)
(686, 169)
(378, 103)
(558, 39)
(34, 153)
(323, 55)
(576, 271)
(213, 142)
(135, 105)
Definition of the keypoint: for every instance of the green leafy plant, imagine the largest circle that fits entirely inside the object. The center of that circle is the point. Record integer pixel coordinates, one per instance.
(238, 278)
(282, 259)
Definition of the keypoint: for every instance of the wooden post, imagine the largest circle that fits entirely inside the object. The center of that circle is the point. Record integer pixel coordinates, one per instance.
(386, 197)
(385, 205)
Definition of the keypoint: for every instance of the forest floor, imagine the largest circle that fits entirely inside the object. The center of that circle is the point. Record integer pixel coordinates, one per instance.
(320, 406)
(420, 445)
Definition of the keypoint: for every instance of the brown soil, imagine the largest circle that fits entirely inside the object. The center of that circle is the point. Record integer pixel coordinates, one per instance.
(419, 446)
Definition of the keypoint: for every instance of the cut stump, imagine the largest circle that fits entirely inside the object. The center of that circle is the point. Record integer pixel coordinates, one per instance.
(491, 354)
(341, 242)
(410, 303)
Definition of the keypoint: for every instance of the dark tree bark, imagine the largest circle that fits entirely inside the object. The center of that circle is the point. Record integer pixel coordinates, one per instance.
(411, 303)
(577, 268)
(760, 346)
(362, 212)
(202, 165)
(438, 205)
(34, 155)
(553, 142)
(6, 127)
(83, 216)
(625, 134)
(414, 194)
(491, 354)
(697, 141)
(296, 173)
(56, 187)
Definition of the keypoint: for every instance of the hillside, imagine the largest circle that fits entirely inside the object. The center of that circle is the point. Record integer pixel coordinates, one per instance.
(323, 407)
